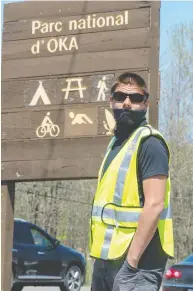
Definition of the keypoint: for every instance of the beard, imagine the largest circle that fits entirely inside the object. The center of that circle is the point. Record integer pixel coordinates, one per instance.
(127, 120)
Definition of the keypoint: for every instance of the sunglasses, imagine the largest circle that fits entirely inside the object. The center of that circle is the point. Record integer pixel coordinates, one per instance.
(134, 97)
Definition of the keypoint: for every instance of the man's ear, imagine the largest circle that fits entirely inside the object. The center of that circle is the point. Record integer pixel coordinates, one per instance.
(146, 103)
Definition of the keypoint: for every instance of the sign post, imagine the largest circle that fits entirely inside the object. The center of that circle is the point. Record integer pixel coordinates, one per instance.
(7, 205)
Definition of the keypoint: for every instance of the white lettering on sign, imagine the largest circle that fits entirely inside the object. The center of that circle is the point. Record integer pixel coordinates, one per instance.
(69, 89)
(40, 93)
(62, 44)
(54, 44)
(35, 49)
(68, 43)
(94, 21)
(45, 27)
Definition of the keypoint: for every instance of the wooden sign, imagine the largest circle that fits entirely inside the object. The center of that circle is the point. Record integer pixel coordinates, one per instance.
(59, 61)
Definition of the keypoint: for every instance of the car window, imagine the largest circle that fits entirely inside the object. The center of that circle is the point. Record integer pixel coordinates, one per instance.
(189, 259)
(39, 238)
(22, 234)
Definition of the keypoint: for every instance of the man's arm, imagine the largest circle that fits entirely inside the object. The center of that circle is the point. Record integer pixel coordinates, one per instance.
(154, 189)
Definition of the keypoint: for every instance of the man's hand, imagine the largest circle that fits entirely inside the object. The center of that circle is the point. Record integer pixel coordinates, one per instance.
(126, 278)
(132, 262)
(154, 191)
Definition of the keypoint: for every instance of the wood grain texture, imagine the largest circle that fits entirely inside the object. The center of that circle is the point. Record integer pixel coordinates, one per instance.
(78, 120)
(80, 63)
(23, 125)
(53, 149)
(7, 216)
(51, 169)
(87, 43)
(12, 94)
(113, 50)
(137, 18)
(19, 93)
(154, 63)
(34, 10)
(59, 159)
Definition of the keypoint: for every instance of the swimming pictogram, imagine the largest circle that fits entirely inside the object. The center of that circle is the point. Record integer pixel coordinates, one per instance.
(79, 118)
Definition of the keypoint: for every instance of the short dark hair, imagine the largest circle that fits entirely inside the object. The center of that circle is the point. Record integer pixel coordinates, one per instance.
(130, 78)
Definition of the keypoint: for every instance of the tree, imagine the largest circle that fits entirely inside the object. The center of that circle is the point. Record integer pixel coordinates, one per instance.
(176, 121)
(62, 208)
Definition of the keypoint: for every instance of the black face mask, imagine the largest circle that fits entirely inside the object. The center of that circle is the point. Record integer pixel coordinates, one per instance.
(128, 120)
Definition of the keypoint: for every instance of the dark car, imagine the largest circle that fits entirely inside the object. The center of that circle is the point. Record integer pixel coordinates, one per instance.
(180, 276)
(40, 259)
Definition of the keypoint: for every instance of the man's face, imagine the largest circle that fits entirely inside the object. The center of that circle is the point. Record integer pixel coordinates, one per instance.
(129, 102)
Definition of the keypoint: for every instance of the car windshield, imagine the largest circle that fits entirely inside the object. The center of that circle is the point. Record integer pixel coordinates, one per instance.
(189, 259)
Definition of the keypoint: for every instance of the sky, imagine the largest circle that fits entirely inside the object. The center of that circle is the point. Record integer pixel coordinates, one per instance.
(172, 14)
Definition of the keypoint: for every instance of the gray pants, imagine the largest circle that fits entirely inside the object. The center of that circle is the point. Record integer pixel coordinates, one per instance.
(118, 275)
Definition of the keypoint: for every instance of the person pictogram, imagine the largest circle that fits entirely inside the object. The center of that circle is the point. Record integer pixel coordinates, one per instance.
(102, 89)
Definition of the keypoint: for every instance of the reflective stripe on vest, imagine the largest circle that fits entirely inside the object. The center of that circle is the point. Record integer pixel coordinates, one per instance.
(123, 218)
(124, 167)
(117, 197)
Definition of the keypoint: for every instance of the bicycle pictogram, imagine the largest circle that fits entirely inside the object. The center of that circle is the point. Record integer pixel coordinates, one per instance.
(47, 127)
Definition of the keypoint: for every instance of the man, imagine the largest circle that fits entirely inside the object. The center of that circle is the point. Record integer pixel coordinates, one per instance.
(131, 225)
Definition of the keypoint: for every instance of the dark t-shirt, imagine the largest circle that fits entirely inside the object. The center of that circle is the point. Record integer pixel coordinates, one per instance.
(152, 161)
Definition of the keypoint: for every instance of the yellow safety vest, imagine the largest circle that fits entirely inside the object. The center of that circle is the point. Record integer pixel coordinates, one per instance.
(116, 206)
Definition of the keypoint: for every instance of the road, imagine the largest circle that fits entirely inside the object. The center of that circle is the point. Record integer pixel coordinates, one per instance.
(84, 288)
